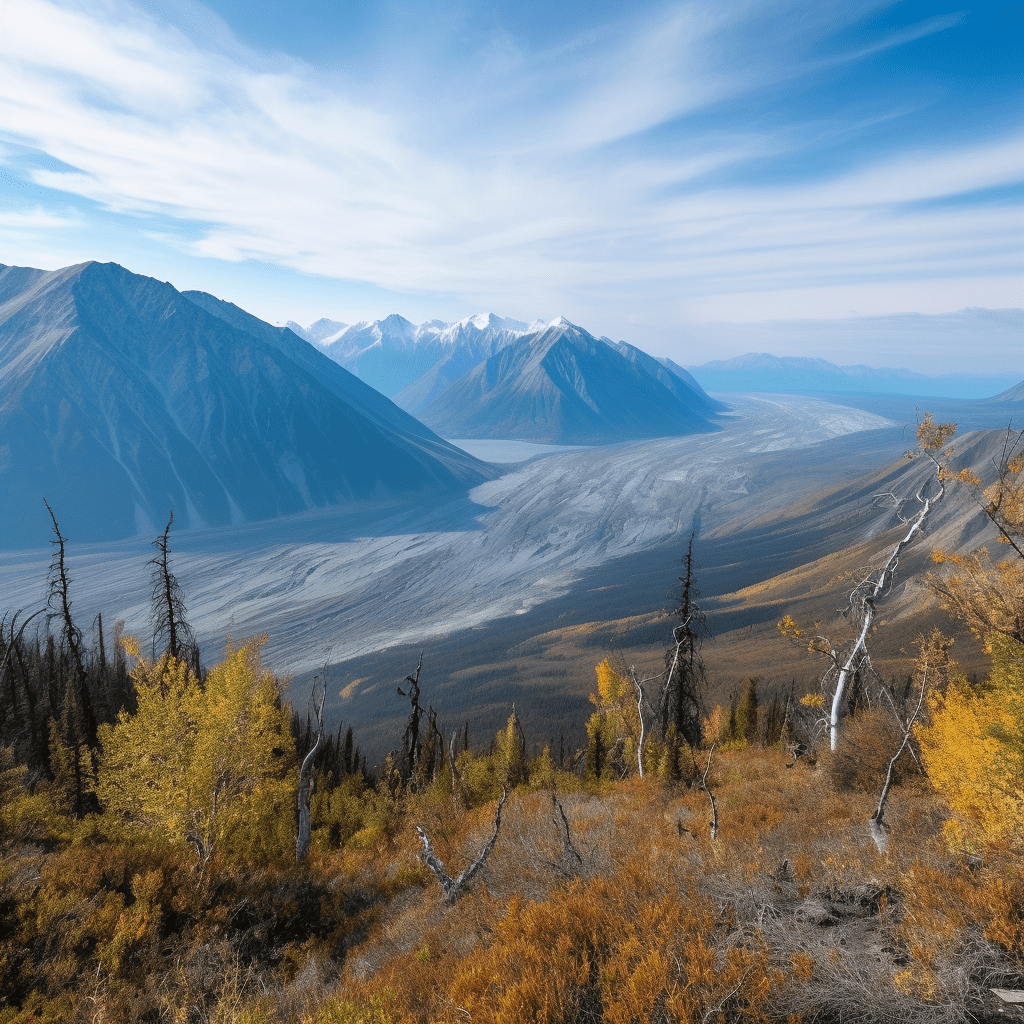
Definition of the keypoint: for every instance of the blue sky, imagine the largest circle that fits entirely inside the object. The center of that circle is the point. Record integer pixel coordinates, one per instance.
(635, 167)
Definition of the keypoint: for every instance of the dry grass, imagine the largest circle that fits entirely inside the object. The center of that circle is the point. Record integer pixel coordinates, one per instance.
(790, 914)
(632, 914)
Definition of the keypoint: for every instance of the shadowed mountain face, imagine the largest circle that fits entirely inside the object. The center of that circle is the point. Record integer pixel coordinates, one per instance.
(563, 386)
(122, 398)
(679, 381)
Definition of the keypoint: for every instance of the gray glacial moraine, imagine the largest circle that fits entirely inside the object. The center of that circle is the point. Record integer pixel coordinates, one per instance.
(340, 582)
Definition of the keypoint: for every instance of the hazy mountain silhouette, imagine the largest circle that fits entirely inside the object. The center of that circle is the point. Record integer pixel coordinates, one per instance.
(1014, 394)
(122, 398)
(562, 385)
(322, 333)
(804, 375)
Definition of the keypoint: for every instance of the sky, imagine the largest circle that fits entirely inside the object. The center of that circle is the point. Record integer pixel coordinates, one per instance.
(638, 168)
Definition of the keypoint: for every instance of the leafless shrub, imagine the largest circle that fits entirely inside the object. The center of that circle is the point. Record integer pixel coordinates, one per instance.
(861, 759)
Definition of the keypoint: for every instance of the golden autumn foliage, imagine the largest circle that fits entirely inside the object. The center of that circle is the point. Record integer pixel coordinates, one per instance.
(973, 749)
(989, 594)
(613, 730)
(973, 746)
(653, 922)
(932, 436)
(208, 764)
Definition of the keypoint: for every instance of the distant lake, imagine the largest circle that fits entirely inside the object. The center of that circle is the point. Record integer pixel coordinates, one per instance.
(510, 451)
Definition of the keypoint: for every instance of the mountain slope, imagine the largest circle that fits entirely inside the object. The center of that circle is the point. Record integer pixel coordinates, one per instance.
(1011, 395)
(562, 385)
(121, 398)
(674, 377)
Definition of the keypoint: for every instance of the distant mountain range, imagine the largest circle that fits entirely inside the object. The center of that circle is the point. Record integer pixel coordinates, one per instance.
(801, 375)
(551, 382)
(122, 398)
(414, 364)
(562, 385)
(393, 354)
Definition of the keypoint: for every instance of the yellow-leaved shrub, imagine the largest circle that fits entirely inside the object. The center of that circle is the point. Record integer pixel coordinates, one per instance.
(209, 765)
(973, 750)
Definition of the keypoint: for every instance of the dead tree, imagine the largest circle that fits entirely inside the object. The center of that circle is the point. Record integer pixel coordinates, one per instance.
(167, 603)
(457, 801)
(878, 828)
(684, 668)
(864, 597)
(78, 723)
(59, 603)
(411, 738)
(713, 823)
(12, 643)
(303, 836)
(571, 862)
(877, 583)
(641, 700)
(453, 888)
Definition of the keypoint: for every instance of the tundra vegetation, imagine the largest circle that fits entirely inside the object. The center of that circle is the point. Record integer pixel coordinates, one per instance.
(179, 844)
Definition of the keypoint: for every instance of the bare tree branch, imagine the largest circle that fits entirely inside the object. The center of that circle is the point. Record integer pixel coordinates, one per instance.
(867, 606)
(877, 826)
(572, 859)
(454, 887)
(304, 835)
(640, 700)
(711, 796)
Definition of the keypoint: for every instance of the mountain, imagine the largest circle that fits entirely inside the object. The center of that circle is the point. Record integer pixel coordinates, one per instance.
(801, 375)
(460, 347)
(562, 385)
(393, 353)
(674, 377)
(321, 334)
(122, 398)
(1011, 395)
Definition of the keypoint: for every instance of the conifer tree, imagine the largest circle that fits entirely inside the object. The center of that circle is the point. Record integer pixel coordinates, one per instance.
(168, 604)
(684, 667)
(78, 721)
(510, 750)
(747, 712)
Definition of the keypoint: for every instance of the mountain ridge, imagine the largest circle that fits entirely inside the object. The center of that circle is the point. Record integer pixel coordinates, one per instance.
(561, 385)
(123, 398)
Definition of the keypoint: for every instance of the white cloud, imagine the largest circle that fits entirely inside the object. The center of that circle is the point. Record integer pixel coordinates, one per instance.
(533, 197)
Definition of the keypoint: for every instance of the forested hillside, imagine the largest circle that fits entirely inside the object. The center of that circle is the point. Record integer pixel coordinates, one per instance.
(179, 843)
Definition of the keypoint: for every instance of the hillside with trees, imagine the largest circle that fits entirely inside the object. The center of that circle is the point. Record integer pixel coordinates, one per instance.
(179, 843)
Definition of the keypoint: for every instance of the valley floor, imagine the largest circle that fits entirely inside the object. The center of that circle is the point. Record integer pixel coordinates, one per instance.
(559, 541)
(370, 577)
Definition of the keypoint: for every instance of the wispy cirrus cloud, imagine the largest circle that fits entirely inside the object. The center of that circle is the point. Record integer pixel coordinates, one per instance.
(610, 171)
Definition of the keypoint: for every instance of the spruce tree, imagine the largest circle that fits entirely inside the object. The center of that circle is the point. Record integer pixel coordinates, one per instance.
(168, 605)
(684, 667)
(747, 712)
